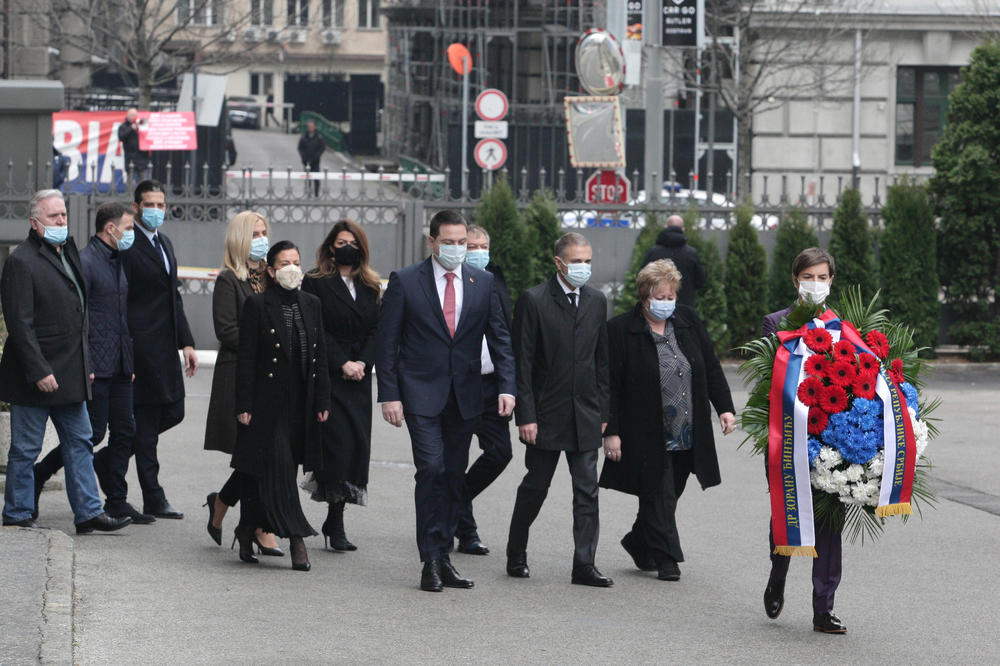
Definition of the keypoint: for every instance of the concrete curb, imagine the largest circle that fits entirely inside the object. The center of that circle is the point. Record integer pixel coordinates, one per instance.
(57, 606)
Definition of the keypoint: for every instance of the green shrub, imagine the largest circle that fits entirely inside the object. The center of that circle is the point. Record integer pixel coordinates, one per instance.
(851, 247)
(908, 261)
(510, 241)
(645, 240)
(746, 279)
(794, 235)
(966, 190)
(541, 221)
(710, 300)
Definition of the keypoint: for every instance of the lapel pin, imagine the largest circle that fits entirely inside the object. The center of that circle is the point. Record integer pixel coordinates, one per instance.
(472, 279)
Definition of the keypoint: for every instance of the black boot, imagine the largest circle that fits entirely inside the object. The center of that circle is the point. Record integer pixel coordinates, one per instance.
(333, 528)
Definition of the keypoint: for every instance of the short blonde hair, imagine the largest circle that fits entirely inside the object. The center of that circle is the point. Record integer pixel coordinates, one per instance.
(239, 233)
(656, 274)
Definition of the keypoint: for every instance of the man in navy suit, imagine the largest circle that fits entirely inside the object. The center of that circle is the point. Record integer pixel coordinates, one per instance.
(434, 316)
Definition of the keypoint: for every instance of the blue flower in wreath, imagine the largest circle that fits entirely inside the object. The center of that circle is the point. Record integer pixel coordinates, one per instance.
(814, 447)
(910, 393)
(856, 433)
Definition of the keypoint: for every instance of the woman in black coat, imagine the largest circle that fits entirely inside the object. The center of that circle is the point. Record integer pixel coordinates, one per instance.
(282, 396)
(242, 274)
(664, 377)
(349, 290)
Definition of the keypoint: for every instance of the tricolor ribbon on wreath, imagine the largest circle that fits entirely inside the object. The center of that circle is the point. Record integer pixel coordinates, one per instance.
(788, 456)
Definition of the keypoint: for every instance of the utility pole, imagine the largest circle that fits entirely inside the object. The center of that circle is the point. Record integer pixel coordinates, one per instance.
(651, 35)
(856, 137)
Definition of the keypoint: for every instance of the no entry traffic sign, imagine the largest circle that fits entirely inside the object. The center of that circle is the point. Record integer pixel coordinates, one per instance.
(607, 186)
(491, 104)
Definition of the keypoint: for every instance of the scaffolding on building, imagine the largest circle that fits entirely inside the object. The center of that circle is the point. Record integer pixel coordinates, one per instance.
(523, 47)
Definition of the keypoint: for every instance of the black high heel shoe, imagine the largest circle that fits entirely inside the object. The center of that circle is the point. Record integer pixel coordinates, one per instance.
(333, 529)
(300, 558)
(245, 537)
(264, 550)
(214, 532)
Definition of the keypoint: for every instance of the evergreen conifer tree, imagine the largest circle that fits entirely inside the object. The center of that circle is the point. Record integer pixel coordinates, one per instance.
(645, 240)
(541, 221)
(746, 279)
(710, 301)
(794, 235)
(510, 242)
(851, 247)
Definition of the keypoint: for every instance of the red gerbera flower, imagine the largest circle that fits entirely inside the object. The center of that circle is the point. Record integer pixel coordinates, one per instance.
(878, 343)
(834, 399)
(843, 351)
(867, 364)
(816, 420)
(864, 387)
(896, 371)
(818, 340)
(817, 365)
(811, 391)
(842, 373)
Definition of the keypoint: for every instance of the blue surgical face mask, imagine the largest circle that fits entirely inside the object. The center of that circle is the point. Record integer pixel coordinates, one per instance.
(152, 218)
(577, 274)
(451, 256)
(477, 258)
(259, 247)
(55, 235)
(661, 310)
(125, 242)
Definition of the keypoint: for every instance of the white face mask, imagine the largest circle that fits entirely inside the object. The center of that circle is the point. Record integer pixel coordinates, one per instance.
(814, 292)
(289, 277)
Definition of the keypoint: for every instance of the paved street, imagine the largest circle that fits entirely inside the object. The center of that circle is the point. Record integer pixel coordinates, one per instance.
(166, 593)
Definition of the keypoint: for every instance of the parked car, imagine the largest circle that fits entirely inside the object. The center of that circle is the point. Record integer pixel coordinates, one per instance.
(244, 112)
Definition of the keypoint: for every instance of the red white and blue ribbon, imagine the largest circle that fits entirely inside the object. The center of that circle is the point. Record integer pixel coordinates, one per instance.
(788, 452)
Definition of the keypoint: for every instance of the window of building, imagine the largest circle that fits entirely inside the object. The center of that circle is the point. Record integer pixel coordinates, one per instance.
(261, 82)
(921, 110)
(262, 12)
(298, 13)
(368, 16)
(333, 13)
(199, 12)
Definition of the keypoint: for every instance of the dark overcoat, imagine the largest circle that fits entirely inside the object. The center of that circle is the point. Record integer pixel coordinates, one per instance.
(227, 308)
(561, 355)
(156, 320)
(671, 243)
(263, 372)
(46, 326)
(349, 326)
(107, 306)
(637, 403)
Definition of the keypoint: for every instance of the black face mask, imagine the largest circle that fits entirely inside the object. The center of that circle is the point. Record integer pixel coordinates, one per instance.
(347, 255)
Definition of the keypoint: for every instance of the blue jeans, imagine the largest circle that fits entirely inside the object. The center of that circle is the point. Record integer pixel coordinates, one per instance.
(27, 429)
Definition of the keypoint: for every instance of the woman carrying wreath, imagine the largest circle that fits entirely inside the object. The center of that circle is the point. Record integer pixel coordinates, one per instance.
(812, 274)
(665, 378)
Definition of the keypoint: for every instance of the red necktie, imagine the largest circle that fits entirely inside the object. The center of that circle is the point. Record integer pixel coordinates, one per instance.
(449, 303)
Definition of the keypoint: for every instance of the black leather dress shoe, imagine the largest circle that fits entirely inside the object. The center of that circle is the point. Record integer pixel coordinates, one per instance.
(828, 623)
(126, 510)
(774, 599)
(102, 522)
(642, 559)
(517, 565)
(668, 570)
(430, 577)
(451, 578)
(472, 546)
(163, 511)
(27, 522)
(589, 575)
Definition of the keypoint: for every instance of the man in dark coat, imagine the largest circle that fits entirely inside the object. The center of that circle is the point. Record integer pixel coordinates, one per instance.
(672, 244)
(110, 347)
(159, 328)
(44, 371)
(311, 147)
(492, 430)
(136, 161)
(434, 316)
(561, 346)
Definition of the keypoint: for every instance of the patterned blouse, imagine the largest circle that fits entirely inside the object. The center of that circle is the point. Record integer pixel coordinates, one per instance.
(675, 389)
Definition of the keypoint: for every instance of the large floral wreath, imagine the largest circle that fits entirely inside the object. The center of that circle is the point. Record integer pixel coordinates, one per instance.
(838, 391)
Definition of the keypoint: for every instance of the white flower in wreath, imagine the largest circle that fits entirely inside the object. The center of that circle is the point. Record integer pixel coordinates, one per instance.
(854, 473)
(876, 465)
(921, 433)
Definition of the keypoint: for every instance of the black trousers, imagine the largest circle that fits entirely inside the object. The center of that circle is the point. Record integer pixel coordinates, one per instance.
(534, 488)
(826, 566)
(313, 167)
(440, 453)
(229, 494)
(150, 421)
(110, 411)
(493, 433)
(655, 527)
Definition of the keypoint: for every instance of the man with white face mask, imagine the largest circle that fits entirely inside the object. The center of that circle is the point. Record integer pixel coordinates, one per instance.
(812, 274)
(429, 359)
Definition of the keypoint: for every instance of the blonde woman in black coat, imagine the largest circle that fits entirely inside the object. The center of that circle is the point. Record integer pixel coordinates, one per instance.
(282, 397)
(665, 378)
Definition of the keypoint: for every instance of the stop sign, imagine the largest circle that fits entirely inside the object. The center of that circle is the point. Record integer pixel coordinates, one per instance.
(607, 186)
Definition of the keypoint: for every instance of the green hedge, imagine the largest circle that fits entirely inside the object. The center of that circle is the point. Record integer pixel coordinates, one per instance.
(746, 279)
(851, 247)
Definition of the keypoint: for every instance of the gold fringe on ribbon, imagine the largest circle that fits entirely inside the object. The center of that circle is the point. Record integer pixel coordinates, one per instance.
(903, 508)
(791, 551)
